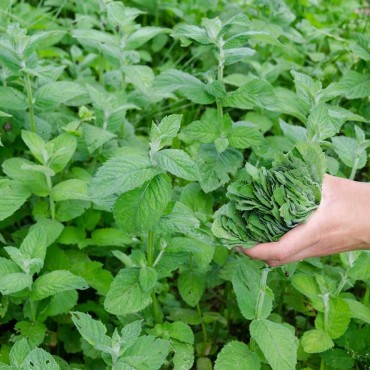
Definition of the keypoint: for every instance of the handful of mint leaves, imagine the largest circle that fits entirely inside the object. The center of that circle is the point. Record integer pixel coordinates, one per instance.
(267, 203)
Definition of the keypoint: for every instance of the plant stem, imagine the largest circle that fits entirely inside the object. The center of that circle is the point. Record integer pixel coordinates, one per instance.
(150, 250)
(31, 111)
(51, 198)
(322, 364)
(156, 313)
(150, 262)
(341, 283)
(220, 74)
(33, 310)
(262, 292)
(204, 330)
(354, 168)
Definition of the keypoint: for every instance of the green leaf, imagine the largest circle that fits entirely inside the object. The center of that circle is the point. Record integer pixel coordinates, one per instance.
(243, 137)
(140, 209)
(36, 145)
(55, 282)
(255, 93)
(202, 253)
(53, 94)
(61, 303)
(353, 85)
(339, 359)
(277, 342)
(19, 352)
(95, 275)
(119, 175)
(246, 284)
(40, 236)
(221, 144)
(183, 358)
(70, 189)
(147, 353)
(9, 57)
(358, 310)
(191, 287)
(95, 137)
(180, 220)
(189, 32)
(205, 131)
(188, 85)
(316, 341)
(39, 359)
(348, 150)
(147, 278)
(93, 331)
(12, 99)
(61, 150)
(33, 331)
(43, 40)
(170, 126)
(234, 55)
(319, 125)
(108, 237)
(15, 168)
(142, 35)
(214, 167)
(178, 163)
(236, 355)
(130, 334)
(140, 76)
(307, 89)
(338, 319)
(293, 132)
(16, 195)
(126, 295)
(7, 267)
(14, 282)
(287, 102)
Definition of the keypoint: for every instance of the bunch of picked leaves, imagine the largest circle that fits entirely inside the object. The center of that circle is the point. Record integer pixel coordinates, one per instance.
(266, 203)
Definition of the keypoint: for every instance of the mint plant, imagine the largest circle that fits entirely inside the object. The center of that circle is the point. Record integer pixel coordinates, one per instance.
(125, 128)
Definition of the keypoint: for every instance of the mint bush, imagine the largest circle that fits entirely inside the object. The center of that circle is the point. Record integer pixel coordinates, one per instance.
(125, 129)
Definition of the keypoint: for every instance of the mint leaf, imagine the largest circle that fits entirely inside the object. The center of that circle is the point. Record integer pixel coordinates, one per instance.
(178, 163)
(236, 355)
(140, 209)
(126, 294)
(277, 342)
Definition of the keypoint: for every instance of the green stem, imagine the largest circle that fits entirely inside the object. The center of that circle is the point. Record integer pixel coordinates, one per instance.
(51, 198)
(322, 364)
(341, 283)
(220, 74)
(31, 111)
(325, 300)
(262, 292)
(150, 250)
(33, 310)
(204, 329)
(150, 262)
(156, 313)
(354, 168)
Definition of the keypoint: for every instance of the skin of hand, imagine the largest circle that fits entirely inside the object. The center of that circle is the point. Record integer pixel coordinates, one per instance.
(341, 223)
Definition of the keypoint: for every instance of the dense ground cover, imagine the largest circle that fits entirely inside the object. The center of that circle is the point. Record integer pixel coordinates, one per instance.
(122, 125)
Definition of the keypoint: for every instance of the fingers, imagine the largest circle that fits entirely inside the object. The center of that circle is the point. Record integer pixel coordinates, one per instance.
(289, 248)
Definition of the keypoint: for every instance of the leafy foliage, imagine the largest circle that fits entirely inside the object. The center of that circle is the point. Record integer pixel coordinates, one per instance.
(265, 204)
(122, 125)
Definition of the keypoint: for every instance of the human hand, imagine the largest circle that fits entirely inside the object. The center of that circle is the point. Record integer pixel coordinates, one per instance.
(341, 223)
